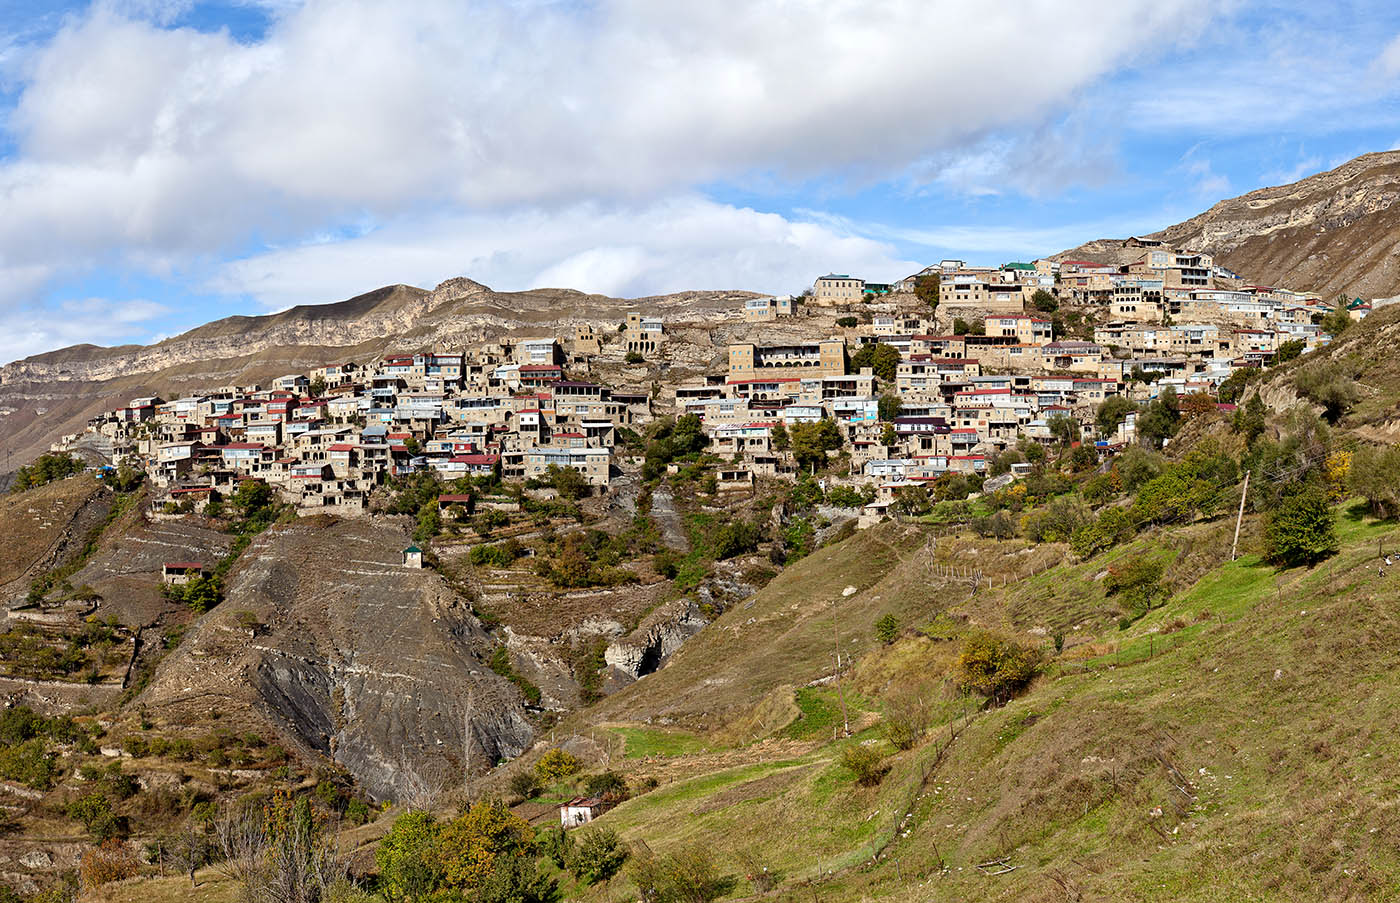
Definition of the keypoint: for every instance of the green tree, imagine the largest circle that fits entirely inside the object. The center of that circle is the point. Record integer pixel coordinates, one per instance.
(597, 856)
(927, 287)
(1044, 302)
(887, 628)
(568, 482)
(1064, 428)
(1252, 419)
(1339, 320)
(94, 811)
(1232, 389)
(779, 436)
(811, 441)
(1161, 419)
(1302, 529)
(1287, 351)
(1137, 582)
(847, 322)
(1111, 412)
(889, 407)
(1375, 476)
(317, 388)
(882, 359)
(634, 357)
(409, 868)
(888, 437)
(912, 501)
(1323, 383)
(688, 875)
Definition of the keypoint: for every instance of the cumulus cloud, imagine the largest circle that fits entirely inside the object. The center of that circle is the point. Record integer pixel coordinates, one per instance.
(684, 242)
(137, 142)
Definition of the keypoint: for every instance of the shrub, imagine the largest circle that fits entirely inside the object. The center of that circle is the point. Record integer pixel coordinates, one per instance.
(597, 856)
(1324, 384)
(634, 357)
(94, 812)
(887, 628)
(525, 784)
(907, 716)
(996, 666)
(557, 845)
(1375, 476)
(112, 861)
(556, 764)
(607, 784)
(1302, 529)
(1136, 582)
(847, 322)
(685, 876)
(865, 762)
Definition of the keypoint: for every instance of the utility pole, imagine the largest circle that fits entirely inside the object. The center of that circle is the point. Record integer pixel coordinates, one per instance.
(467, 740)
(1244, 494)
(840, 691)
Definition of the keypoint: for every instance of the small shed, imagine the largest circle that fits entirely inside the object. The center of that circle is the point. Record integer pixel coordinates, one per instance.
(413, 557)
(580, 811)
(178, 573)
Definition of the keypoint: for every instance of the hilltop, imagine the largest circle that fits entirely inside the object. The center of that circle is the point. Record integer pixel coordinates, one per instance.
(1330, 233)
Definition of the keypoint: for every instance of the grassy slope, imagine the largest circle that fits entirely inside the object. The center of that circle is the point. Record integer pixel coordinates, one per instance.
(1255, 708)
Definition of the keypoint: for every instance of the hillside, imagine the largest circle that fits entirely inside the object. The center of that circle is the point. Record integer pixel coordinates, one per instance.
(1333, 232)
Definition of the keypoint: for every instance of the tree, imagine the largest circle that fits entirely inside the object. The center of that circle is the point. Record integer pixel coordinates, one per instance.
(597, 856)
(889, 407)
(1137, 582)
(960, 326)
(779, 436)
(1044, 302)
(1323, 383)
(1375, 476)
(1302, 529)
(485, 854)
(865, 763)
(470, 846)
(1197, 404)
(927, 287)
(1161, 419)
(1111, 412)
(94, 811)
(847, 322)
(557, 763)
(1232, 389)
(688, 875)
(912, 501)
(1251, 420)
(882, 359)
(811, 441)
(282, 852)
(888, 437)
(1064, 428)
(409, 870)
(887, 628)
(634, 357)
(1339, 320)
(1287, 351)
(996, 666)
(568, 482)
(317, 388)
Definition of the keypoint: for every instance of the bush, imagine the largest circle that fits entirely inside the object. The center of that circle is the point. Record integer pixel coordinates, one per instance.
(634, 357)
(111, 861)
(1136, 582)
(865, 762)
(685, 876)
(556, 764)
(1375, 476)
(907, 716)
(887, 628)
(597, 856)
(847, 322)
(1324, 384)
(607, 784)
(525, 784)
(1302, 529)
(94, 812)
(996, 666)
(557, 845)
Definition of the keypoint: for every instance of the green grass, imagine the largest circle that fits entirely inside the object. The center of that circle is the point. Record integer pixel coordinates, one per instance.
(640, 742)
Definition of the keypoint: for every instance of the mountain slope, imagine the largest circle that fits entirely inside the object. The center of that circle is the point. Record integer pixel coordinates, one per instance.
(1336, 231)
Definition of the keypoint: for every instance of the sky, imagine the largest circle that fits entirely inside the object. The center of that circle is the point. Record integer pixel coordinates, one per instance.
(164, 163)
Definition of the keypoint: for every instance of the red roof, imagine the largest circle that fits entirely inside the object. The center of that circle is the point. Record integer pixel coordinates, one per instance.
(454, 497)
(474, 459)
(341, 447)
(183, 565)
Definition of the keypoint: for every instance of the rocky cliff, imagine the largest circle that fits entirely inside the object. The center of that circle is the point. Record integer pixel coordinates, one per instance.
(1337, 231)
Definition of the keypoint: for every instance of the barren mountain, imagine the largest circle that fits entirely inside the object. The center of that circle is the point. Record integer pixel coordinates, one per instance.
(48, 395)
(1337, 231)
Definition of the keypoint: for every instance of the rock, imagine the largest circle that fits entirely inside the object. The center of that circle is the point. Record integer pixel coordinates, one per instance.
(36, 860)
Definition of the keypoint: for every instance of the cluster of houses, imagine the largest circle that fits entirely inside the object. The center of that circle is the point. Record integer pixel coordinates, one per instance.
(514, 407)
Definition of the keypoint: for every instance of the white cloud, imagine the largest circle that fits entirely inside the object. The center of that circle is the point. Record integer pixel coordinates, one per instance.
(148, 146)
(123, 312)
(1389, 60)
(679, 243)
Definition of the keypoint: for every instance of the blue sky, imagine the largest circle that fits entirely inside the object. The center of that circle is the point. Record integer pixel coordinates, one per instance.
(168, 162)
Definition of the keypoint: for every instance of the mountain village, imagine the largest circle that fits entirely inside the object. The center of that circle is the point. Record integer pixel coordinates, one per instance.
(983, 358)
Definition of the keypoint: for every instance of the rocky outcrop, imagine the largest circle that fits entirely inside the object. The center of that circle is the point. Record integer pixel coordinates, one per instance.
(646, 649)
(348, 654)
